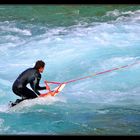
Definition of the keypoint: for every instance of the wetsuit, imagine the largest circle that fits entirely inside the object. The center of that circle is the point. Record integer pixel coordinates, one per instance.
(30, 76)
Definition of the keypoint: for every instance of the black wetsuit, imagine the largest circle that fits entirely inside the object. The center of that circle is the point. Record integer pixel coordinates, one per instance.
(30, 76)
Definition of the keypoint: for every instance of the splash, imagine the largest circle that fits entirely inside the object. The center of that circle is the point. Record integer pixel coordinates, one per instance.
(28, 104)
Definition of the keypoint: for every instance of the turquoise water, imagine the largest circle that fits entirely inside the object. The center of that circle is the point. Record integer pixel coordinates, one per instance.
(74, 41)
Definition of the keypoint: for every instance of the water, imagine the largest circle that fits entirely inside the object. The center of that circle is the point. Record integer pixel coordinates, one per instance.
(74, 41)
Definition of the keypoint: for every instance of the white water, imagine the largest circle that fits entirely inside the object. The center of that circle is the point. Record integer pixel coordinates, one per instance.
(70, 53)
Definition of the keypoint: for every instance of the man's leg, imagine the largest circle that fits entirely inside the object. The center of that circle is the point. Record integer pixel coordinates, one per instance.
(28, 94)
(25, 93)
(16, 102)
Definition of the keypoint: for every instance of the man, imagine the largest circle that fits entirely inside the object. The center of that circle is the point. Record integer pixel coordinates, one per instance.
(30, 76)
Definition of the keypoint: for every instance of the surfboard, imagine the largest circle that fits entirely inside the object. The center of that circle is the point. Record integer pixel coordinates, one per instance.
(54, 92)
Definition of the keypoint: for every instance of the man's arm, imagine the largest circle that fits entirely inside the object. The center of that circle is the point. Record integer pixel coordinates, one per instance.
(34, 83)
(37, 83)
(33, 86)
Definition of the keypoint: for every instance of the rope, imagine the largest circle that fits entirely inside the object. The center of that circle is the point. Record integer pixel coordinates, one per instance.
(95, 74)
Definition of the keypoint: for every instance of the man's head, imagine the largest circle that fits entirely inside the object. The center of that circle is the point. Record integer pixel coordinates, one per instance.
(39, 65)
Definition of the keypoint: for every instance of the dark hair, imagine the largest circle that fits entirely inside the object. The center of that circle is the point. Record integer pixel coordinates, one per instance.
(39, 64)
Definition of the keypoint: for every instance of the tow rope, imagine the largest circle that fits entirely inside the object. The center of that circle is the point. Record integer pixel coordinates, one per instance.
(95, 74)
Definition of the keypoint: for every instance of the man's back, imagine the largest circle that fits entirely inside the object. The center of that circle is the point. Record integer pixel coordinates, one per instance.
(25, 77)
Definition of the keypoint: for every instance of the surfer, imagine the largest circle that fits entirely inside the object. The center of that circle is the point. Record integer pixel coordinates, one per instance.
(30, 76)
